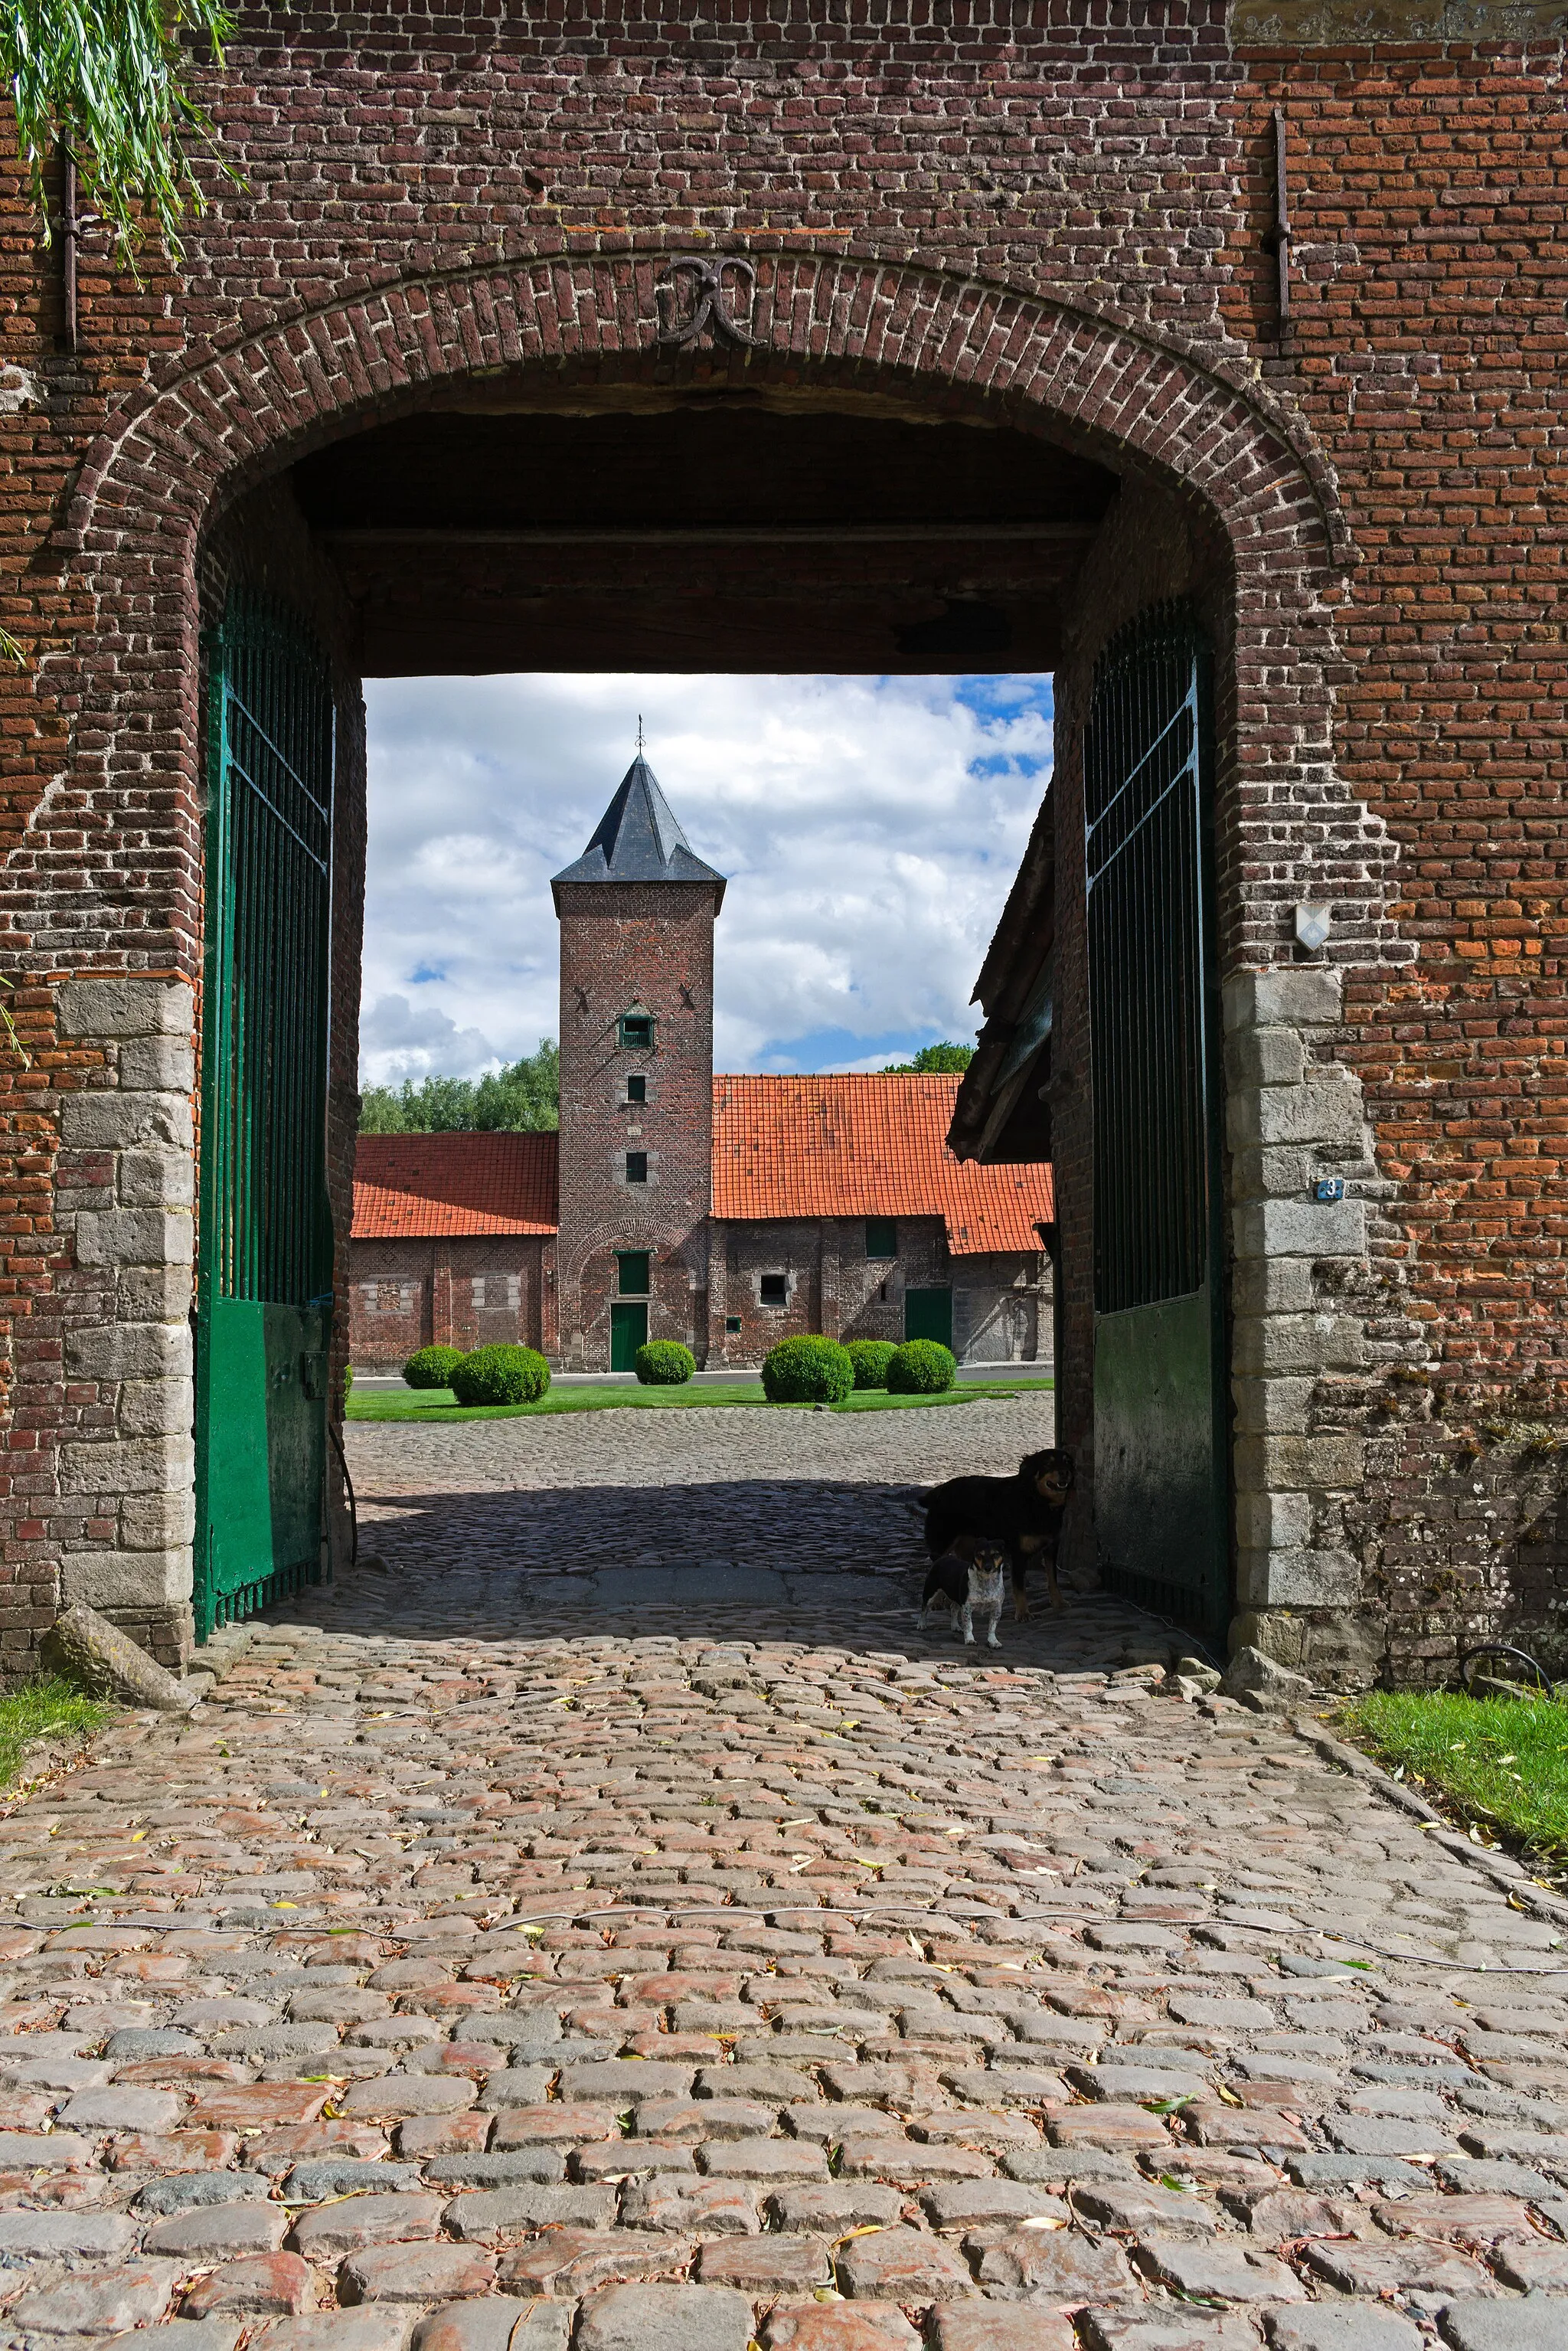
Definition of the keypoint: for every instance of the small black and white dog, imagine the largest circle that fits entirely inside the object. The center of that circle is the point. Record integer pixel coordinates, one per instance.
(970, 1578)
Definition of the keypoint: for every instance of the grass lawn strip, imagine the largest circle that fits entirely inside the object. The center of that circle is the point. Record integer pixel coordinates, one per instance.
(46, 1709)
(1500, 1762)
(440, 1404)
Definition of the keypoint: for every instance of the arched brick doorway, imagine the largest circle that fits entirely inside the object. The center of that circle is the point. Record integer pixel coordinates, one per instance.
(208, 482)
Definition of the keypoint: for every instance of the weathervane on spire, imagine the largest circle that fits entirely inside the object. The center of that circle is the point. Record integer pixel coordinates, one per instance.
(639, 734)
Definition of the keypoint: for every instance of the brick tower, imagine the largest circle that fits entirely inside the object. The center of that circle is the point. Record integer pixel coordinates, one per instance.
(637, 912)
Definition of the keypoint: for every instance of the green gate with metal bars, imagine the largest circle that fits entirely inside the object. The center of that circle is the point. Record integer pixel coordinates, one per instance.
(1161, 1509)
(264, 1277)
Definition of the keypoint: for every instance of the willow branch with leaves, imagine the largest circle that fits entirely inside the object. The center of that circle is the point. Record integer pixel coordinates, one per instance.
(109, 81)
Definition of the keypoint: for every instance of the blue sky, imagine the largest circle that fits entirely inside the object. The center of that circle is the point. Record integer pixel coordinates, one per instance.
(869, 827)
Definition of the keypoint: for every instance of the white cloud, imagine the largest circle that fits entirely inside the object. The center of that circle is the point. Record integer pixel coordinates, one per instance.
(869, 827)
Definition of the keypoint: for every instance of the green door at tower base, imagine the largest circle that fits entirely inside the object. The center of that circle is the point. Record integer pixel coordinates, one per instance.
(628, 1331)
(262, 1426)
(928, 1314)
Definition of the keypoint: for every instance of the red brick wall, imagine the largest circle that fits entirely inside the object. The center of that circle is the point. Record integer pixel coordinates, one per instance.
(478, 1291)
(1050, 218)
(621, 943)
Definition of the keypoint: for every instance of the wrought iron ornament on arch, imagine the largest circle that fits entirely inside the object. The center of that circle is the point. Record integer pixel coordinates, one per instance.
(694, 297)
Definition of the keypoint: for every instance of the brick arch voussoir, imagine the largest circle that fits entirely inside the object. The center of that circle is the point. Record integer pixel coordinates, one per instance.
(634, 1231)
(210, 431)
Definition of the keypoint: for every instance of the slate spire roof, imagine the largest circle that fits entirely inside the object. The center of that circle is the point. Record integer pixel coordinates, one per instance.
(638, 839)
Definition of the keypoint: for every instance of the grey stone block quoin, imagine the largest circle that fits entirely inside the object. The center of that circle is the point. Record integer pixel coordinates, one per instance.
(128, 1144)
(1292, 1117)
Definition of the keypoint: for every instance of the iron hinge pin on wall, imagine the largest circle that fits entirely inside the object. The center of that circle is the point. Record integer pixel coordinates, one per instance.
(1277, 240)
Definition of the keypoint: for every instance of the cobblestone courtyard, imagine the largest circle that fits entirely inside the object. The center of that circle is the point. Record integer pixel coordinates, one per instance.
(505, 1957)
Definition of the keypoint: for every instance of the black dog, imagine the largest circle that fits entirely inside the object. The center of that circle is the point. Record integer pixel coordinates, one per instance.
(1022, 1513)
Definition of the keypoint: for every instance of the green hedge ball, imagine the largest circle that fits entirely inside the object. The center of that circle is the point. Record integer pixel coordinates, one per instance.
(921, 1367)
(808, 1371)
(501, 1375)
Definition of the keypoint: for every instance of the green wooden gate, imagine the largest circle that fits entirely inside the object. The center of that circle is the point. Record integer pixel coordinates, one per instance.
(1160, 1488)
(264, 1276)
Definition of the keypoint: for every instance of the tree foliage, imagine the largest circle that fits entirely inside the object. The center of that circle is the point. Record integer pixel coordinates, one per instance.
(524, 1097)
(108, 80)
(933, 1059)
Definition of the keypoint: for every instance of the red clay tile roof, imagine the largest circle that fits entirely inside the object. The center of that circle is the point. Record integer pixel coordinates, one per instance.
(865, 1147)
(852, 1146)
(420, 1187)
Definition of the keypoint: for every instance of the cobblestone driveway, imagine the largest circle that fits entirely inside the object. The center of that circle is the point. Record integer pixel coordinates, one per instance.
(728, 1495)
(511, 1978)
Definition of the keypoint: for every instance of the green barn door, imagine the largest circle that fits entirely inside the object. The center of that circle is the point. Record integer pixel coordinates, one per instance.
(928, 1314)
(264, 1277)
(1160, 1489)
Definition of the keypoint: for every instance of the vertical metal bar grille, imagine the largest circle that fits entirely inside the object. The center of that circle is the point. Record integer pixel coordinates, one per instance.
(268, 1234)
(1143, 816)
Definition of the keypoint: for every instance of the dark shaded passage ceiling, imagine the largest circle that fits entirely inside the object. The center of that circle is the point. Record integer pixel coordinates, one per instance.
(718, 535)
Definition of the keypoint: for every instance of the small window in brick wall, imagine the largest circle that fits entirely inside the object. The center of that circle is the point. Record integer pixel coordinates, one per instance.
(732, 1322)
(636, 1031)
(881, 1237)
(775, 1290)
(636, 1167)
(637, 1089)
(632, 1273)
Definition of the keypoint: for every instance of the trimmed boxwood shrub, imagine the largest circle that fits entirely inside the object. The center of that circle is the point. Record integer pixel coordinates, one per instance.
(432, 1367)
(501, 1375)
(808, 1371)
(921, 1367)
(665, 1364)
(870, 1358)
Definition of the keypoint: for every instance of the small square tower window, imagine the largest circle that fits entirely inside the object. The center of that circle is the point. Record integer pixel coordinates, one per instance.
(636, 1030)
(881, 1237)
(637, 1088)
(636, 1167)
(775, 1290)
(632, 1273)
(732, 1322)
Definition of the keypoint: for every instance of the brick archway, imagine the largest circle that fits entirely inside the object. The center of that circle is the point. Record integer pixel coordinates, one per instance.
(194, 442)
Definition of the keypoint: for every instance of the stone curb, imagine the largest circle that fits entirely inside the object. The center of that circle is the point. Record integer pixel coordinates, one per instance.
(1500, 1867)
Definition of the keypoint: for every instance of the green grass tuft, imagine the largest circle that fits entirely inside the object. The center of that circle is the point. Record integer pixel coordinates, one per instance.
(1501, 1763)
(48, 1707)
(440, 1404)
